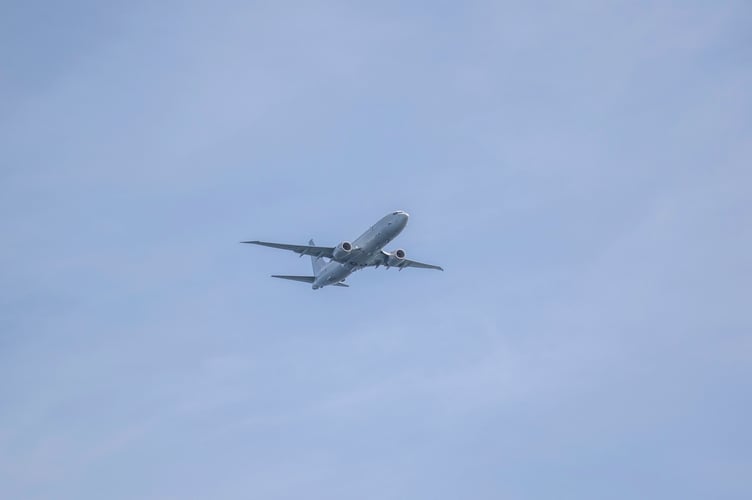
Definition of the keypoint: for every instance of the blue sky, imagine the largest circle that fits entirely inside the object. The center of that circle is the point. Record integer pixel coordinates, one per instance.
(581, 171)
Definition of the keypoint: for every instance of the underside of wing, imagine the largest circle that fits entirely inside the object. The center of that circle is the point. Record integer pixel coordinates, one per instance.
(300, 249)
(386, 259)
(413, 263)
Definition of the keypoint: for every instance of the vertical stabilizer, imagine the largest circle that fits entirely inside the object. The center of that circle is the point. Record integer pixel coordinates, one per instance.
(317, 262)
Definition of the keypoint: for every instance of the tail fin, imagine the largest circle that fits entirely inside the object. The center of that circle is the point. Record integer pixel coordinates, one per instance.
(317, 262)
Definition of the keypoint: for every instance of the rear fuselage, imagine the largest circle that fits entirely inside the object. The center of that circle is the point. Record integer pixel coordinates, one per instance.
(364, 249)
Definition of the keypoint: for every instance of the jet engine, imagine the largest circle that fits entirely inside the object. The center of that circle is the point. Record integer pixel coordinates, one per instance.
(342, 250)
(395, 258)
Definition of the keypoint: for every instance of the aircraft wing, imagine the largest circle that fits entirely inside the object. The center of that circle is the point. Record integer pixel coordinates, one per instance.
(412, 263)
(301, 249)
(383, 259)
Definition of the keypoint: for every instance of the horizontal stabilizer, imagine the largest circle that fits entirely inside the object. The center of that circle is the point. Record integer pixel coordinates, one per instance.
(304, 279)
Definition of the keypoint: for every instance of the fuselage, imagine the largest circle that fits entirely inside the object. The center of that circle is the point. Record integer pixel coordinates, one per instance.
(364, 248)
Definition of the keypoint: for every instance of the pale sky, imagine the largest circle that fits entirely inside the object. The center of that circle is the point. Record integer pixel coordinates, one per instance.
(581, 171)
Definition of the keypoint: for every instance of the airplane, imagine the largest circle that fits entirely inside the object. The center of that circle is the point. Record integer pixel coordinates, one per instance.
(348, 257)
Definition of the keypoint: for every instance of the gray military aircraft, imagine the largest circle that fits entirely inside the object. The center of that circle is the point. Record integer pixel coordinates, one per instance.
(346, 258)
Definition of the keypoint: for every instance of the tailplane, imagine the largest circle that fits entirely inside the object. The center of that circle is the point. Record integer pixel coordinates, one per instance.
(318, 264)
(304, 279)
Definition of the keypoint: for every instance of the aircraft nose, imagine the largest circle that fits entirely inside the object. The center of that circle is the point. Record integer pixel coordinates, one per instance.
(400, 217)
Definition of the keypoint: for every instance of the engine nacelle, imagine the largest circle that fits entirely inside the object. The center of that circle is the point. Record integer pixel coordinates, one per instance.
(395, 258)
(342, 250)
